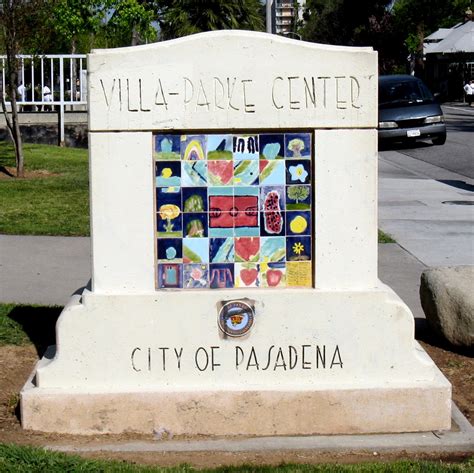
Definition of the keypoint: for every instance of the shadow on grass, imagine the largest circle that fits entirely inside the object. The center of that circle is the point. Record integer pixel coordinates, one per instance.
(4, 170)
(38, 324)
(424, 333)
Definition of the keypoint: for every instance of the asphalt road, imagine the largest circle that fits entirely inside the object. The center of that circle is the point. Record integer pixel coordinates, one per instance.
(457, 154)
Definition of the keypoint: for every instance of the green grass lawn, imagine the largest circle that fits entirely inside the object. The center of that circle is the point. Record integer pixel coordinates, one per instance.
(15, 458)
(24, 324)
(384, 238)
(52, 204)
(56, 203)
(11, 332)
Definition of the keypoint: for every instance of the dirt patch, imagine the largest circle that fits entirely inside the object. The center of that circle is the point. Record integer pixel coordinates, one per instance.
(459, 369)
(7, 172)
(457, 364)
(17, 362)
(273, 458)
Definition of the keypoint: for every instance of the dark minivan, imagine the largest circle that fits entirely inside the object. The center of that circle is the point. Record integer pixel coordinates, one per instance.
(408, 111)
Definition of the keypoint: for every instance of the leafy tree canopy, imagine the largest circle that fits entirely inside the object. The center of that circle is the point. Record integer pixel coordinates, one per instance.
(80, 25)
(183, 17)
(24, 25)
(344, 22)
(130, 22)
(354, 23)
(71, 19)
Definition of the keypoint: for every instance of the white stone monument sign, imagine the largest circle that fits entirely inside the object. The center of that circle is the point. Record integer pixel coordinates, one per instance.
(234, 236)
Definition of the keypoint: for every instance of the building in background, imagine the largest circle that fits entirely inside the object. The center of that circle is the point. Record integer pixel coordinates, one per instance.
(285, 15)
(449, 59)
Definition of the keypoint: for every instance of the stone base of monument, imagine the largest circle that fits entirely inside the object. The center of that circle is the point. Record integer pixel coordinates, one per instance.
(338, 362)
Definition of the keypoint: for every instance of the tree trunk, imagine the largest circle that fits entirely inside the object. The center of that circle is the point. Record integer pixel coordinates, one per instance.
(13, 124)
(419, 64)
(10, 32)
(17, 141)
(135, 37)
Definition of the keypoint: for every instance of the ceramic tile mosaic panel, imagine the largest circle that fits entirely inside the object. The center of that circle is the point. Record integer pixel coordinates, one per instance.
(233, 210)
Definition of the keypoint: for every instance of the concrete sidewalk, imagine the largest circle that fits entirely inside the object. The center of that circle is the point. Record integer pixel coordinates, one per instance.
(42, 270)
(433, 220)
(47, 270)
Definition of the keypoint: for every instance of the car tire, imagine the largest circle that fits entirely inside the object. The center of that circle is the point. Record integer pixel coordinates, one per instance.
(439, 140)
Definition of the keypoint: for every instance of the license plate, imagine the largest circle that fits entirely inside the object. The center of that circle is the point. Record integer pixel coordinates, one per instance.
(413, 133)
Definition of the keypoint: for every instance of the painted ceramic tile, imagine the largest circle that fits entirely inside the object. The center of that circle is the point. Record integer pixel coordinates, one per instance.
(221, 232)
(272, 249)
(246, 275)
(169, 222)
(297, 145)
(195, 225)
(272, 173)
(298, 223)
(246, 190)
(194, 199)
(221, 212)
(272, 223)
(194, 173)
(272, 274)
(167, 196)
(195, 250)
(170, 275)
(193, 147)
(220, 223)
(246, 172)
(299, 274)
(221, 250)
(298, 197)
(272, 199)
(247, 231)
(220, 173)
(195, 276)
(221, 275)
(272, 146)
(245, 147)
(298, 171)
(298, 248)
(245, 208)
(247, 249)
(170, 250)
(168, 173)
(220, 202)
(219, 147)
(167, 147)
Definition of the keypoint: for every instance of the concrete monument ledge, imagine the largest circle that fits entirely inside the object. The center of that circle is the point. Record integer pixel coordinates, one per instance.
(459, 439)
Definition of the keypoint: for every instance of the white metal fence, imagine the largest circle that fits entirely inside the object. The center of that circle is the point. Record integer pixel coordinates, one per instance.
(50, 82)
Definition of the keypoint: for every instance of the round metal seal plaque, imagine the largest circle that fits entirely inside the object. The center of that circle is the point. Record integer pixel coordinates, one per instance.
(236, 318)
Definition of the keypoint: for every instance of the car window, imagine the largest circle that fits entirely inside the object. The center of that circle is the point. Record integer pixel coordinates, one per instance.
(403, 91)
